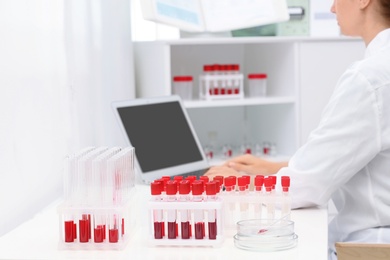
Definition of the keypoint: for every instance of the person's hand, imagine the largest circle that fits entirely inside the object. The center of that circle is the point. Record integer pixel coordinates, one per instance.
(222, 170)
(253, 165)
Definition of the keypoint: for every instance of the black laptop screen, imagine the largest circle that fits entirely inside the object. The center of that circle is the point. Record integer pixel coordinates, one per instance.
(160, 135)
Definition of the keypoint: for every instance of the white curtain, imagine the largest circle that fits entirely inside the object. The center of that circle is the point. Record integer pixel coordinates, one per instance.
(62, 62)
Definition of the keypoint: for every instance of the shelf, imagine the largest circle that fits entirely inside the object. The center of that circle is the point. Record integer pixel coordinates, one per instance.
(239, 102)
(250, 40)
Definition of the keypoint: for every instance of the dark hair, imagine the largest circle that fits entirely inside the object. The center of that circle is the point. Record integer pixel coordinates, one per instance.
(385, 8)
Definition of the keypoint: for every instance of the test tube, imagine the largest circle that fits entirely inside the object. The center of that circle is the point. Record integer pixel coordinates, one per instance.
(184, 191)
(197, 191)
(236, 82)
(70, 229)
(158, 221)
(286, 206)
(208, 84)
(224, 82)
(171, 191)
(259, 181)
(219, 182)
(269, 196)
(227, 151)
(242, 191)
(217, 83)
(211, 191)
(84, 228)
(229, 183)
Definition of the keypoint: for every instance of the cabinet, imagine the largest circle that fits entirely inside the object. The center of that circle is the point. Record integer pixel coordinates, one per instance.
(302, 73)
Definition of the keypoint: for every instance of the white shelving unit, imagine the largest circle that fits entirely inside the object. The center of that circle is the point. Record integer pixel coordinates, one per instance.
(302, 73)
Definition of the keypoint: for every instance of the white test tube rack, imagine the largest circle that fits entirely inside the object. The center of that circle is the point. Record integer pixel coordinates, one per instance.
(257, 206)
(232, 88)
(192, 206)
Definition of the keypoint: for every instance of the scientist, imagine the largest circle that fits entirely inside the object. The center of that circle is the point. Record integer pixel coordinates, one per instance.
(347, 157)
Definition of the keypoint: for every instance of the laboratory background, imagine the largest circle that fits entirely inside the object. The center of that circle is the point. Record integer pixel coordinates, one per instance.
(63, 62)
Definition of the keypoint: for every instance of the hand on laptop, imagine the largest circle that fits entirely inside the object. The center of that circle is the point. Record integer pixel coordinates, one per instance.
(246, 164)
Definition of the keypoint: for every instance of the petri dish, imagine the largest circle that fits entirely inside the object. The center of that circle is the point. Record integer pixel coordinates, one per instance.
(265, 235)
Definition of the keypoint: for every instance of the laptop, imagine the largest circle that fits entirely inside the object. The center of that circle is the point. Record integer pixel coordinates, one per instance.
(164, 139)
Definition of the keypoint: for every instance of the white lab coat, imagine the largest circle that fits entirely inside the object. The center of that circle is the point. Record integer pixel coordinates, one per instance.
(347, 157)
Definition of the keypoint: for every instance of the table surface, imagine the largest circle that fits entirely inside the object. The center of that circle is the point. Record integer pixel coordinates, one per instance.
(38, 239)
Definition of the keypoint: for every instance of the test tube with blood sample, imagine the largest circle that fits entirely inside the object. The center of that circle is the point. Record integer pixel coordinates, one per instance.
(171, 191)
(184, 196)
(158, 221)
(197, 197)
(211, 191)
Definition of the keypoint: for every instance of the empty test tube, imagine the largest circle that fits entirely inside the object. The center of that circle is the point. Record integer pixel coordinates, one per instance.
(286, 206)
(259, 181)
(269, 197)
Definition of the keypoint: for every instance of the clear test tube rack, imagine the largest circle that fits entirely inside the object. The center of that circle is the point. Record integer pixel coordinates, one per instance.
(98, 194)
(103, 237)
(254, 205)
(230, 86)
(192, 207)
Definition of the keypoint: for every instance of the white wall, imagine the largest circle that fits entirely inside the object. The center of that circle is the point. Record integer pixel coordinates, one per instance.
(56, 84)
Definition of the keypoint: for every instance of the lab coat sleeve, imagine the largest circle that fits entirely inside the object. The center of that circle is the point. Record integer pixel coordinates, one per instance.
(347, 138)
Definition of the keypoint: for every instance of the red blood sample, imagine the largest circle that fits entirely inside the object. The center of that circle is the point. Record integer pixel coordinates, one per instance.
(185, 230)
(99, 233)
(158, 230)
(172, 230)
(199, 230)
(113, 235)
(83, 230)
(69, 227)
(212, 230)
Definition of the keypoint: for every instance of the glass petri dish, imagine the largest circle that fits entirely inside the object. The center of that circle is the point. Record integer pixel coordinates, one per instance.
(265, 234)
(253, 244)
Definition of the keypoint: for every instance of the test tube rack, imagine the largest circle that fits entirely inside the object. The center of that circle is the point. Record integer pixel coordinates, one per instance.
(217, 87)
(104, 228)
(191, 208)
(263, 202)
(98, 194)
(254, 205)
(185, 213)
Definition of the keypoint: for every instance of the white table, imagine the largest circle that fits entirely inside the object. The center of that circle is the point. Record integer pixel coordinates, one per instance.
(38, 239)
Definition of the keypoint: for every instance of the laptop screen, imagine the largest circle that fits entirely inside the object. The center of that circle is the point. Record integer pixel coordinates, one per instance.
(160, 134)
(160, 131)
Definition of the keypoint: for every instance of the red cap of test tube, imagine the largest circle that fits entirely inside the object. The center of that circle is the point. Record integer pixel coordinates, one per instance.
(259, 181)
(162, 184)
(155, 188)
(211, 188)
(229, 183)
(219, 181)
(171, 187)
(247, 179)
(203, 178)
(241, 182)
(273, 178)
(184, 187)
(268, 182)
(285, 183)
(197, 187)
(178, 178)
